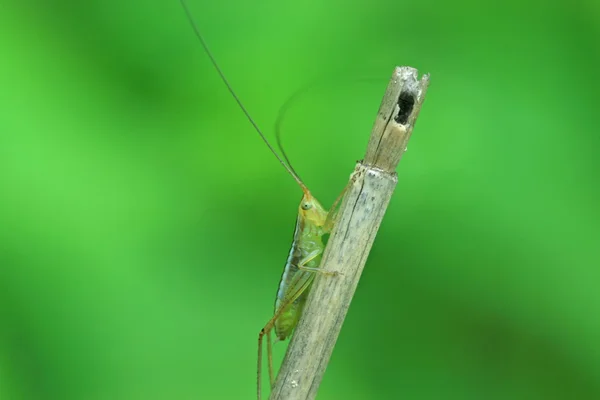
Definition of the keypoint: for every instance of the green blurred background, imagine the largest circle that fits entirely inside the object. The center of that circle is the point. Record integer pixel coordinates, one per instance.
(144, 225)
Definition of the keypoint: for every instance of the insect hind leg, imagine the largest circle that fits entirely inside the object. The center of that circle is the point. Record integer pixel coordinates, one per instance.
(270, 359)
(265, 331)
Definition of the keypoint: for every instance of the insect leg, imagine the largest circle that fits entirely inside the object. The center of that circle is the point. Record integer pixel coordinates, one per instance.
(270, 358)
(311, 256)
(266, 330)
(259, 366)
(333, 211)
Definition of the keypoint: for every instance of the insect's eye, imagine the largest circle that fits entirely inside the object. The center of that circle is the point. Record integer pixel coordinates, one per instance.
(306, 206)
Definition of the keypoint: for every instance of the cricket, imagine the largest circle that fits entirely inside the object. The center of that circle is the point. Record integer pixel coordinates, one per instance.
(313, 225)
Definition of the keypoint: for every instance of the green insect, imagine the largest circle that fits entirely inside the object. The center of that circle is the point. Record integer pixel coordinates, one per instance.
(313, 226)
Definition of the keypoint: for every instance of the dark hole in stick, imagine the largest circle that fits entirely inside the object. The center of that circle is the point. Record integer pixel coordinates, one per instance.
(406, 102)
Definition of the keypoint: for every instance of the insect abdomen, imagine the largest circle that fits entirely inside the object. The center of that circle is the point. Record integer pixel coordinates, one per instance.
(287, 321)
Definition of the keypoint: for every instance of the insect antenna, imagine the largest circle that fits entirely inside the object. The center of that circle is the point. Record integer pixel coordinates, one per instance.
(288, 166)
(325, 80)
(279, 122)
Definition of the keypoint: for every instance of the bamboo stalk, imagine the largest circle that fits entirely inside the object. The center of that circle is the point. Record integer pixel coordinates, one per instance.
(361, 213)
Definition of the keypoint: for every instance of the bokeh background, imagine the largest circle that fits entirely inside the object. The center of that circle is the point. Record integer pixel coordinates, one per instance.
(144, 225)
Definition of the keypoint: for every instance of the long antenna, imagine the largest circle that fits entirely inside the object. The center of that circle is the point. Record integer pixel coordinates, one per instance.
(287, 167)
(279, 122)
(325, 79)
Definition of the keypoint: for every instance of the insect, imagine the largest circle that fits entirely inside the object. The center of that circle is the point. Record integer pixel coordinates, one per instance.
(313, 226)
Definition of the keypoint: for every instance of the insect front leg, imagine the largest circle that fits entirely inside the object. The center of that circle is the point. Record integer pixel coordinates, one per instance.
(333, 211)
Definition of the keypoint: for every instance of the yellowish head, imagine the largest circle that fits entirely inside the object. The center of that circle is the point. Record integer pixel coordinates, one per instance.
(311, 210)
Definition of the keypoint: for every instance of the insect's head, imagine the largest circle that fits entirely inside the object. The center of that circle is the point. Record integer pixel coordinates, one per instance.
(311, 209)
(307, 202)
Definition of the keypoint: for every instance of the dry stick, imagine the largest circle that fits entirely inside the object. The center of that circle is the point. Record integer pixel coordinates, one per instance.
(360, 215)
